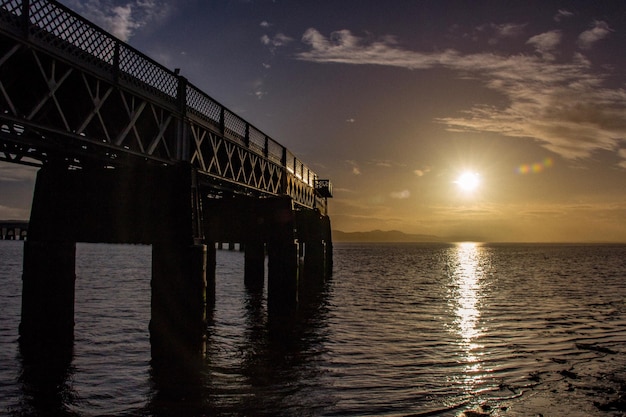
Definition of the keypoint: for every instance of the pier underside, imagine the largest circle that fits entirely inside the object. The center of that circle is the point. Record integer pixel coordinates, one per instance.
(165, 207)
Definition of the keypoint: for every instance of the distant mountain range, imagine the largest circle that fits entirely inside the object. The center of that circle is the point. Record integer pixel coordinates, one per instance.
(396, 236)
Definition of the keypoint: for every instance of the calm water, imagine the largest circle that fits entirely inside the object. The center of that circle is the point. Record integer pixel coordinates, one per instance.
(399, 329)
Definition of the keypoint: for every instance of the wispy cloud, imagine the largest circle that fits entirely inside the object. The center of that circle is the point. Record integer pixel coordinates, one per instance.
(564, 105)
(546, 43)
(354, 167)
(279, 39)
(121, 18)
(400, 195)
(499, 32)
(13, 213)
(16, 173)
(258, 89)
(562, 14)
(344, 48)
(275, 41)
(597, 32)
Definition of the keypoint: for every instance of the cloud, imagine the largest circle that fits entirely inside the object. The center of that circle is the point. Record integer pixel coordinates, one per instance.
(384, 163)
(355, 167)
(344, 48)
(259, 89)
(562, 14)
(400, 195)
(421, 172)
(119, 18)
(565, 106)
(497, 32)
(12, 213)
(506, 31)
(599, 31)
(546, 43)
(622, 154)
(277, 41)
(10, 172)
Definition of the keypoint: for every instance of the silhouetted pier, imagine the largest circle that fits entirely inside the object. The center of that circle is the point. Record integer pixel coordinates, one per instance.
(13, 230)
(131, 152)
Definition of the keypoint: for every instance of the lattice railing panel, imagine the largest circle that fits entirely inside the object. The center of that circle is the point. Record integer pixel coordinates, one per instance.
(257, 139)
(57, 27)
(205, 107)
(13, 7)
(234, 126)
(275, 151)
(143, 70)
(232, 162)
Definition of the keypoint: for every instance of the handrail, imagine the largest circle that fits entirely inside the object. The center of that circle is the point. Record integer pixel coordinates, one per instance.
(52, 23)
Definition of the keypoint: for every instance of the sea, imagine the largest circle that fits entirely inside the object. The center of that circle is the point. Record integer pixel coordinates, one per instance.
(410, 329)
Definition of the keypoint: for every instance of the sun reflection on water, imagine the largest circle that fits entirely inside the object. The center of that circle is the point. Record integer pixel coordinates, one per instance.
(467, 274)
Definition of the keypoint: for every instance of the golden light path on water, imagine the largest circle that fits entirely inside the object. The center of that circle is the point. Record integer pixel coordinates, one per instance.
(467, 274)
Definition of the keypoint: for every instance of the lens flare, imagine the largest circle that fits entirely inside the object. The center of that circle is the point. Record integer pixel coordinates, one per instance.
(535, 167)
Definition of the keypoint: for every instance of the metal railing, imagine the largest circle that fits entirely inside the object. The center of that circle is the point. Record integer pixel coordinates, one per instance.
(54, 26)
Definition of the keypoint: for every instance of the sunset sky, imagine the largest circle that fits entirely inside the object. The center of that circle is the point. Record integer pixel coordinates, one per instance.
(395, 100)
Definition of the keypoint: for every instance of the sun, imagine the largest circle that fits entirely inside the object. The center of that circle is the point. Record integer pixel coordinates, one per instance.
(468, 181)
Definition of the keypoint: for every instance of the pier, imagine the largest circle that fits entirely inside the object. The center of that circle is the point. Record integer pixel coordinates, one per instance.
(131, 152)
(13, 230)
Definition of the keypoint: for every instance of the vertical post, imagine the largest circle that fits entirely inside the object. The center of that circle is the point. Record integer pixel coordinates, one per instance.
(116, 62)
(183, 151)
(247, 136)
(48, 278)
(282, 252)
(48, 295)
(328, 247)
(254, 265)
(222, 121)
(177, 325)
(211, 263)
(26, 18)
(282, 276)
(179, 272)
(314, 259)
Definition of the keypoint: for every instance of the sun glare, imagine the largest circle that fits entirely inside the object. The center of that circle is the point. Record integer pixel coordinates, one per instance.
(468, 181)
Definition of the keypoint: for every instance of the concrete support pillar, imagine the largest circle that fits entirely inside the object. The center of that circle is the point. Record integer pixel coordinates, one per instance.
(282, 253)
(152, 204)
(211, 264)
(282, 280)
(178, 322)
(48, 295)
(254, 268)
(179, 273)
(49, 277)
(314, 230)
(315, 257)
(328, 248)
